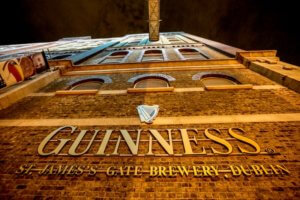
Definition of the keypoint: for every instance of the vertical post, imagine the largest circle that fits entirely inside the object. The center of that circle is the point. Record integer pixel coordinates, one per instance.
(154, 19)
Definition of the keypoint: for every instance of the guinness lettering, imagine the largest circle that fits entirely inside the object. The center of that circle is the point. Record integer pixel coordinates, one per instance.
(166, 142)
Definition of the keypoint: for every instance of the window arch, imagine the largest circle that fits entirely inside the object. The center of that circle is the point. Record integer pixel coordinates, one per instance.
(216, 79)
(87, 84)
(152, 55)
(151, 82)
(191, 54)
(142, 76)
(115, 57)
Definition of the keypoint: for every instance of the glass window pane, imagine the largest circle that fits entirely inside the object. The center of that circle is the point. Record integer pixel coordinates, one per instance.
(151, 83)
(90, 85)
(211, 81)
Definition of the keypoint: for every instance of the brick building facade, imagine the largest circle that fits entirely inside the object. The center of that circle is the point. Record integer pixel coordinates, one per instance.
(227, 128)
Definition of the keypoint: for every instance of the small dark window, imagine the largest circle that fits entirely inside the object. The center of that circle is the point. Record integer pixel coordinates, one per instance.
(192, 54)
(153, 55)
(61, 56)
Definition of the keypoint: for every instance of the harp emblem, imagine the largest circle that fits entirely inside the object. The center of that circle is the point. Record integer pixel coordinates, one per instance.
(148, 113)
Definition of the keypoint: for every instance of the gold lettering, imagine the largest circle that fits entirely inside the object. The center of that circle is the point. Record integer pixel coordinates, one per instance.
(137, 171)
(153, 171)
(172, 171)
(245, 140)
(71, 170)
(21, 169)
(62, 169)
(128, 170)
(111, 171)
(265, 170)
(197, 171)
(274, 170)
(49, 137)
(150, 146)
(117, 146)
(92, 171)
(51, 170)
(236, 171)
(121, 171)
(72, 150)
(133, 147)
(186, 142)
(257, 170)
(79, 171)
(283, 169)
(245, 171)
(215, 170)
(45, 170)
(183, 170)
(162, 171)
(206, 171)
(104, 142)
(218, 140)
(28, 171)
(167, 147)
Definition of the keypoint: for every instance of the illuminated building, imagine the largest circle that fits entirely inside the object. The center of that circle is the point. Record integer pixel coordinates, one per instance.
(227, 124)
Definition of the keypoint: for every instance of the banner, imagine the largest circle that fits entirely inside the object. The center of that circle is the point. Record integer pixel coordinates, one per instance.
(19, 69)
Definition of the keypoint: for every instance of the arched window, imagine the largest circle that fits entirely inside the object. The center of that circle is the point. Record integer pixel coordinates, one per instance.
(151, 82)
(89, 84)
(218, 79)
(115, 57)
(153, 55)
(191, 54)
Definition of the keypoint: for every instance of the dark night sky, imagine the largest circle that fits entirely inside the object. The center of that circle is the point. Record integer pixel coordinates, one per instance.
(247, 24)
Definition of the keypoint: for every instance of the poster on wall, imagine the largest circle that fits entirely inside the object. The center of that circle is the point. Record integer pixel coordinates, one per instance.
(19, 69)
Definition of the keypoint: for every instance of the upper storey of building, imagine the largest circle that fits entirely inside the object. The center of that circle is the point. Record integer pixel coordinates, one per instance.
(174, 46)
(174, 51)
(134, 48)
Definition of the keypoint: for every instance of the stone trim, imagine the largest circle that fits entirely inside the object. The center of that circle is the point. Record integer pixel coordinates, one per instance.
(201, 75)
(229, 87)
(146, 90)
(164, 76)
(76, 92)
(194, 89)
(16, 94)
(104, 79)
(192, 120)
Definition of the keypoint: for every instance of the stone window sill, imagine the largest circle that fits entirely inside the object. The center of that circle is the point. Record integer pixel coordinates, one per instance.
(148, 90)
(229, 87)
(76, 92)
